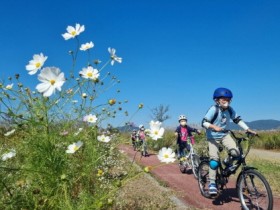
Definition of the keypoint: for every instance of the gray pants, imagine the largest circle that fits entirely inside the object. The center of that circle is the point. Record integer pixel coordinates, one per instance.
(213, 144)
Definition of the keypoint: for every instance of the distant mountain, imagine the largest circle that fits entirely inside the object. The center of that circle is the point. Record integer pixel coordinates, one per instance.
(260, 125)
(127, 128)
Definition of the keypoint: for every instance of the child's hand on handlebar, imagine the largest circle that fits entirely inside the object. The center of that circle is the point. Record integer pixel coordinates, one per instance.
(216, 128)
(251, 132)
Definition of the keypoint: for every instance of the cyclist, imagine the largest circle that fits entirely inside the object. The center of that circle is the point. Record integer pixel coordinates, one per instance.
(133, 137)
(142, 137)
(215, 121)
(182, 132)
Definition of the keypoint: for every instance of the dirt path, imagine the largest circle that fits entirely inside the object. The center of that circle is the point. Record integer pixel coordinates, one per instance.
(186, 185)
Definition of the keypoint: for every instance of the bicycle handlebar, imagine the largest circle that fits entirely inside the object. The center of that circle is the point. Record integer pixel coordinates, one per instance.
(249, 135)
(240, 139)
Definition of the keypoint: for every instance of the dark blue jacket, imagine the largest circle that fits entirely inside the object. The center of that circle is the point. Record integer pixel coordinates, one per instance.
(189, 129)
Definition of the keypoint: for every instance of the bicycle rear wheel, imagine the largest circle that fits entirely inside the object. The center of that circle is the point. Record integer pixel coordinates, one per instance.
(203, 178)
(254, 191)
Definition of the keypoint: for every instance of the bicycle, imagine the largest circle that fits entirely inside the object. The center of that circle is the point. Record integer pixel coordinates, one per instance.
(141, 146)
(190, 161)
(253, 189)
(144, 149)
(133, 141)
(137, 144)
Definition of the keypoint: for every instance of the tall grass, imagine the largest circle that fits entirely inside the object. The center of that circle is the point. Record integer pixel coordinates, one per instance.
(269, 140)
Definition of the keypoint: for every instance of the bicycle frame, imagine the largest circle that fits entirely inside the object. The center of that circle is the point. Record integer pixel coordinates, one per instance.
(223, 173)
(191, 159)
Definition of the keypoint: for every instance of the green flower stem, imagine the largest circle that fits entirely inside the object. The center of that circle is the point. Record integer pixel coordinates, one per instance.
(88, 52)
(8, 190)
(104, 65)
(74, 56)
(131, 116)
(66, 196)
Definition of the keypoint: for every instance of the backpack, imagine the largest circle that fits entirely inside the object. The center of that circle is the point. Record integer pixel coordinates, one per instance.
(217, 112)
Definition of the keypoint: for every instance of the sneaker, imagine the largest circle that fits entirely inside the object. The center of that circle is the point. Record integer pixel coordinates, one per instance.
(212, 189)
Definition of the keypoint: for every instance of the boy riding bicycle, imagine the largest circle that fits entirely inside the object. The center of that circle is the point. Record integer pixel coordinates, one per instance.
(215, 121)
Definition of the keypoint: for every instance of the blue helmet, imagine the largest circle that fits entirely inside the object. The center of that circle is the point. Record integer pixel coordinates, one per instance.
(222, 92)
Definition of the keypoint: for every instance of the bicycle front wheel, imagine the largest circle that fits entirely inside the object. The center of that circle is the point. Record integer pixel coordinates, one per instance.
(195, 164)
(203, 178)
(254, 191)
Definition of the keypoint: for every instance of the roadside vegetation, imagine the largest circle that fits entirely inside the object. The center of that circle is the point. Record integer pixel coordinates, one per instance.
(269, 140)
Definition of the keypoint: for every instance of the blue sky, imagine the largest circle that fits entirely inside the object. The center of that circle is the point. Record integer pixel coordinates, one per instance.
(174, 52)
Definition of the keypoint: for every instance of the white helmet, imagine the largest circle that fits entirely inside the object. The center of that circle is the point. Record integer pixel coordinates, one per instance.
(141, 126)
(182, 117)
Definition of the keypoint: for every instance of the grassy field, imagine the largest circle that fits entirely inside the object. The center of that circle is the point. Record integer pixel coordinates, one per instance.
(270, 169)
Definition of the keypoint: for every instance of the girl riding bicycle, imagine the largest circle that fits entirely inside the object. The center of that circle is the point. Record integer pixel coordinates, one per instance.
(182, 133)
(215, 121)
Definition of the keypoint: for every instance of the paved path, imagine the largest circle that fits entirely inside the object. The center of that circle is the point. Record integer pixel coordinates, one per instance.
(186, 185)
(265, 154)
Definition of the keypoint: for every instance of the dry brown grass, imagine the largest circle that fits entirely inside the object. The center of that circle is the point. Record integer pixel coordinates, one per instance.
(145, 192)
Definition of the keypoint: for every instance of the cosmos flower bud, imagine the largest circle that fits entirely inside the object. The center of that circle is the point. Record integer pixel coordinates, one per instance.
(112, 102)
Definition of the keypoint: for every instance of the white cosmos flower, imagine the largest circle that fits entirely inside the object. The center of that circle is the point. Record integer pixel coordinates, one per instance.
(10, 132)
(10, 86)
(166, 155)
(73, 32)
(113, 55)
(87, 46)
(156, 132)
(36, 64)
(51, 79)
(8, 155)
(72, 148)
(90, 118)
(89, 73)
(103, 138)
